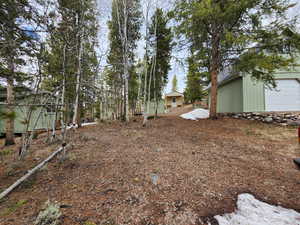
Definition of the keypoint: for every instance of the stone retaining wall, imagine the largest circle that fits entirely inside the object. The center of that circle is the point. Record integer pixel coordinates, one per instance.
(283, 119)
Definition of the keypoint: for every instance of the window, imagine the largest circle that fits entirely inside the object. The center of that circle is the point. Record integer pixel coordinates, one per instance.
(174, 99)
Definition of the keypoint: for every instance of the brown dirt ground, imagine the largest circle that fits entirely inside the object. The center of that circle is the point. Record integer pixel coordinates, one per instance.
(202, 166)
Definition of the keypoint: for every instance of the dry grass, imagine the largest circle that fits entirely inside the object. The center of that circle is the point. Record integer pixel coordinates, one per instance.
(201, 168)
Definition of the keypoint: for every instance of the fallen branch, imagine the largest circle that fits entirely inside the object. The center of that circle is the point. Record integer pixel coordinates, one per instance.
(30, 172)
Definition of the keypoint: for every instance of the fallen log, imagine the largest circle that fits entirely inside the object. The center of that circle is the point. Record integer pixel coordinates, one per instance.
(30, 172)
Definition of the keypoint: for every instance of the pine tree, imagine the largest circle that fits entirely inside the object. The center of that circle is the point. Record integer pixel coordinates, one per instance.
(124, 32)
(174, 83)
(235, 32)
(194, 84)
(160, 40)
(15, 44)
(76, 73)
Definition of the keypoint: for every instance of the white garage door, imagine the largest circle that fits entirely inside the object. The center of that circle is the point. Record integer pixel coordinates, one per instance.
(286, 97)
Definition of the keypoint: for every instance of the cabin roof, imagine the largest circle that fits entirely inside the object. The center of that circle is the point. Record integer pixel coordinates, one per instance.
(174, 94)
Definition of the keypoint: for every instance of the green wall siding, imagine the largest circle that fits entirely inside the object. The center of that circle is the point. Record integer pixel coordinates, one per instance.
(287, 75)
(254, 91)
(253, 95)
(230, 97)
(247, 95)
(160, 108)
(44, 121)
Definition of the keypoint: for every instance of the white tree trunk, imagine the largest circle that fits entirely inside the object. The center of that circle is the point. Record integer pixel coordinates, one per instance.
(76, 119)
(152, 73)
(145, 113)
(29, 173)
(126, 72)
(63, 93)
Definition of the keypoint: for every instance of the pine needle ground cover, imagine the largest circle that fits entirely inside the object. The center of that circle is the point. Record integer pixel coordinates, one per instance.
(173, 171)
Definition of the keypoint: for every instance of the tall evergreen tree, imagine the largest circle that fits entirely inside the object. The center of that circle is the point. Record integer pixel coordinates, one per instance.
(250, 34)
(160, 41)
(75, 33)
(124, 32)
(174, 83)
(16, 44)
(194, 84)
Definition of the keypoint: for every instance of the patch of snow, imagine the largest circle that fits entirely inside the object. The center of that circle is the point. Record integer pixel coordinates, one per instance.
(251, 211)
(83, 125)
(196, 114)
(89, 124)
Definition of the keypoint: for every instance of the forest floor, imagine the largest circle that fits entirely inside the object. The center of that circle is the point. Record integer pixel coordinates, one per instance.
(172, 172)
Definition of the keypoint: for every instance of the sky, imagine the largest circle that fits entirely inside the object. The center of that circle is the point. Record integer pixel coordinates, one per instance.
(178, 61)
(178, 57)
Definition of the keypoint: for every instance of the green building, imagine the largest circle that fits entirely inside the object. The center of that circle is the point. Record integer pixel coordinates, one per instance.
(240, 93)
(42, 117)
(160, 107)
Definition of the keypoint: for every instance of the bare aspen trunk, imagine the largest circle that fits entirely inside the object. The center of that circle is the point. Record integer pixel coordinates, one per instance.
(76, 116)
(155, 90)
(100, 110)
(145, 113)
(125, 61)
(124, 38)
(138, 103)
(64, 109)
(155, 56)
(28, 136)
(9, 129)
(149, 90)
(126, 96)
(29, 173)
(214, 73)
(152, 73)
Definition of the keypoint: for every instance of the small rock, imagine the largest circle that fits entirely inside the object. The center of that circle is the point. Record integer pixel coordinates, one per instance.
(158, 150)
(65, 206)
(154, 178)
(293, 123)
(268, 120)
(297, 161)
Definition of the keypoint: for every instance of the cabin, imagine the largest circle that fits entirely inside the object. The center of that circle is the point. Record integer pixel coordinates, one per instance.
(174, 99)
(42, 117)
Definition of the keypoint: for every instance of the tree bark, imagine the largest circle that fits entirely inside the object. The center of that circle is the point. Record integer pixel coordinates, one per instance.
(76, 115)
(10, 121)
(63, 94)
(145, 113)
(126, 72)
(214, 73)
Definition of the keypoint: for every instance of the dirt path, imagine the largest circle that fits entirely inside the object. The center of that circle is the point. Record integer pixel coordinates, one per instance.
(201, 167)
